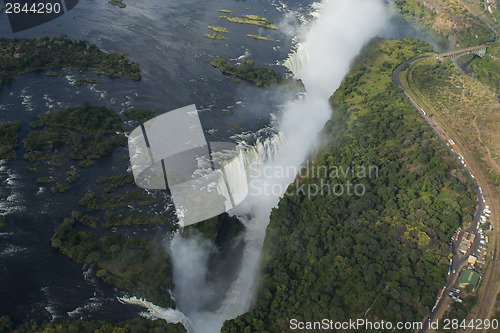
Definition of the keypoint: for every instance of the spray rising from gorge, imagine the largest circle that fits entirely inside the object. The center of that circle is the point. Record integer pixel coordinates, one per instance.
(322, 60)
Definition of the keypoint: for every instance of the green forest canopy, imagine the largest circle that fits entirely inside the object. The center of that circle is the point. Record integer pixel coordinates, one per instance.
(382, 255)
(22, 55)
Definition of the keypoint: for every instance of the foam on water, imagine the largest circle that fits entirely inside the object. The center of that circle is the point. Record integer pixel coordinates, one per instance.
(12, 250)
(11, 198)
(154, 311)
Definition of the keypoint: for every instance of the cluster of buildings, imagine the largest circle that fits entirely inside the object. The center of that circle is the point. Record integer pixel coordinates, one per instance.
(466, 243)
(476, 261)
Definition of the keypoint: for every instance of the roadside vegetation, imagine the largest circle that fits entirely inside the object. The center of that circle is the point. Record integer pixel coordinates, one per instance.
(449, 20)
(487, 10)
(466, 108)
(497, 313)
(463, 102)
(24, 55)
(458, 311)
(393, 239)
(486, 70)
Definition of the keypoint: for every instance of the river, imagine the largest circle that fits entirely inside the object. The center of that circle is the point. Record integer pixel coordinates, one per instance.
(167, 39)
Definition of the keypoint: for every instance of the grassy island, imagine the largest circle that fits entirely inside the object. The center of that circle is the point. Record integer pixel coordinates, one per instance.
(78, 325)
(245, 19)
(59, 188)
(117, 3)
(9, 139)
(140, 115)
(121, 220)
(82, 133)
(56, 73)
(79, 82)
(138, 265)
(261, 76)
(254, 17)
(85, 118)
(215, 36)
(263, 38)
(24, 55)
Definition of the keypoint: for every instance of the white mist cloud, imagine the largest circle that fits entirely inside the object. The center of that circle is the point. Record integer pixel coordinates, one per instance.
(190, 268)
(324, 58)
(335, 39)
(322, 61)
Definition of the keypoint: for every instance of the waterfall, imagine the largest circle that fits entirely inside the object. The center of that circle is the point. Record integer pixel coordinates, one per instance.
(237, 169)
(154, 311)
(193, 291)
(336, 37)
(297, 59)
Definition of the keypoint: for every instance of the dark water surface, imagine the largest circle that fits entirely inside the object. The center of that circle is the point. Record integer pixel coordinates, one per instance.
(167, 39)
(36, 281)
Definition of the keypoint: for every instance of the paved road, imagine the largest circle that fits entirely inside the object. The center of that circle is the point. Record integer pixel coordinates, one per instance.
(458, 261)
(404, 66)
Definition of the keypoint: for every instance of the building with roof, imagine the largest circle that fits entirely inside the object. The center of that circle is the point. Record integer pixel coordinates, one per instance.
(469, 277)
(466, 242)
(464, 246)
